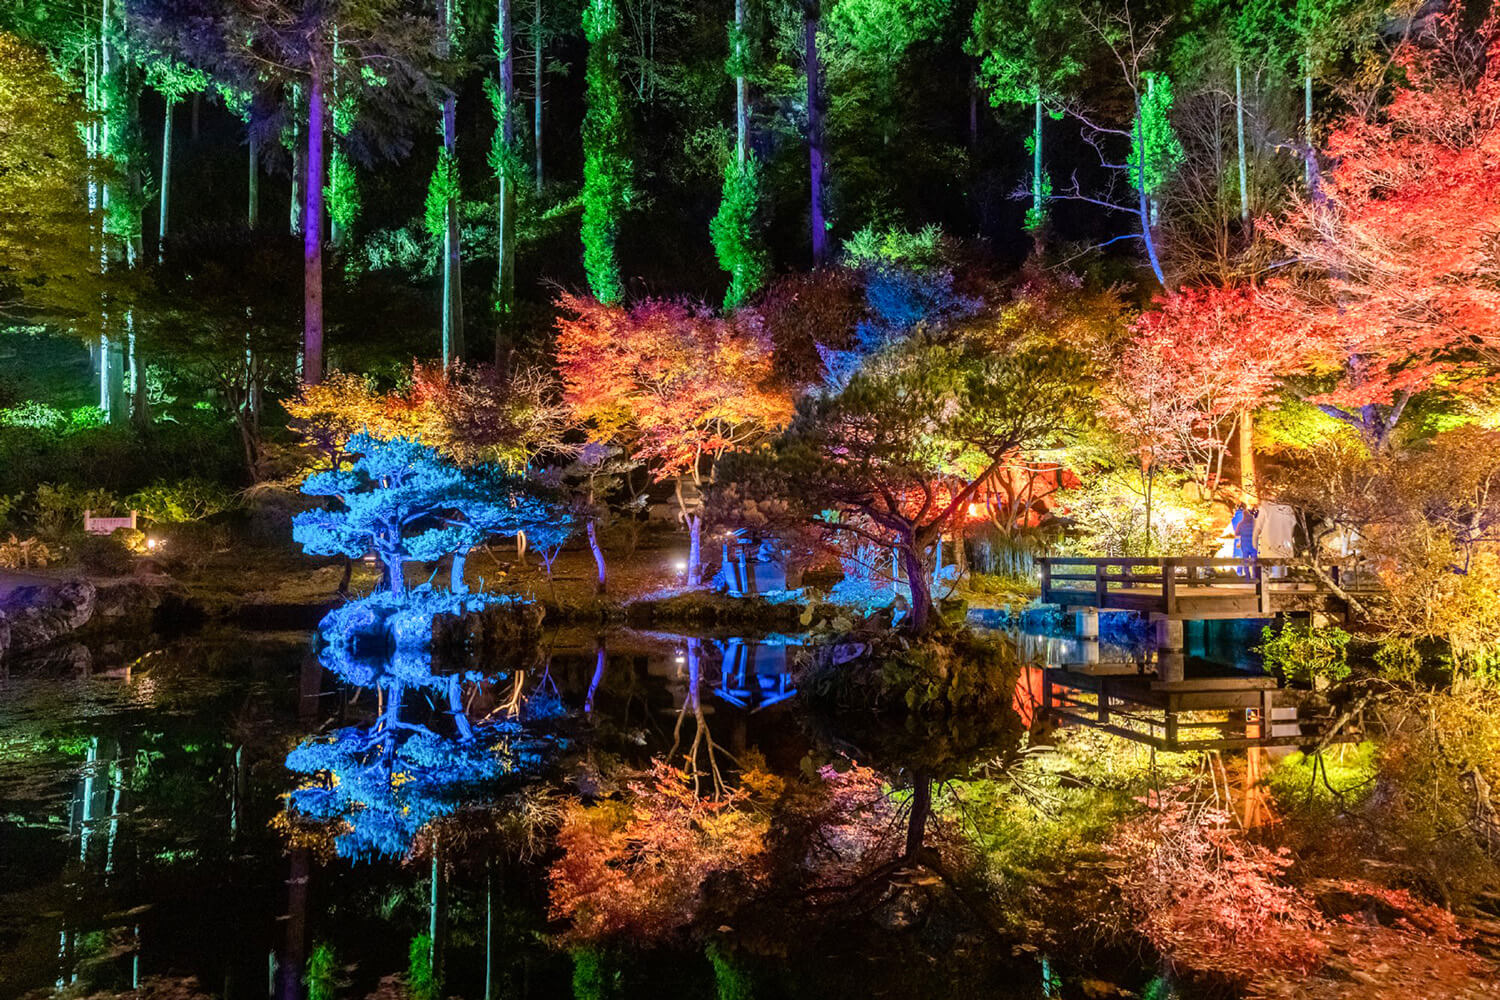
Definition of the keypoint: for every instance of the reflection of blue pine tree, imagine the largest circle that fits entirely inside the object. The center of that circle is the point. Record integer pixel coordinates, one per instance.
(386, 781)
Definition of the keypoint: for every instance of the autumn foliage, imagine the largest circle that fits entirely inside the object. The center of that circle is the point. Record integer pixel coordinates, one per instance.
(679, 383)
(1396, 291)
(635, 868)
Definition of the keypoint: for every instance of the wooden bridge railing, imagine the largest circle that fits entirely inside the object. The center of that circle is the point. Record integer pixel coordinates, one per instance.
(1089, 581)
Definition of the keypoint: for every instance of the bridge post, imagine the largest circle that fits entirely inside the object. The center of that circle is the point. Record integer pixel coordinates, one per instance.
(1262, 592)
(1169, 586)
(1086, 623)
(1101, 585)
(1046, 580)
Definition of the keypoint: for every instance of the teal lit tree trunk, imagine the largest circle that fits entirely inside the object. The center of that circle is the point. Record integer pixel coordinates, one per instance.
(166, 176)
(503, 159)
(1307, 125)
(453, 308)
(312, 236)
(1239, 130)
(536, 98)
(606, 166)
(294, 205)
(1038, 196)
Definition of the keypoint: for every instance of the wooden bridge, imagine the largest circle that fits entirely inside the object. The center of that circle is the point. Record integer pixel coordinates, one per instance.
(1231, 712)
(1198, 587)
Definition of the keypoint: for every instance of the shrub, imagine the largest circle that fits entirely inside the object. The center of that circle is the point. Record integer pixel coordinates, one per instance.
(9, 505)
(59, 509)
(101, 555)
(421, 978)
(322, 977)
(183, 502)
(132, 540)
(1306, 653)
(33, 414)
(25, 553)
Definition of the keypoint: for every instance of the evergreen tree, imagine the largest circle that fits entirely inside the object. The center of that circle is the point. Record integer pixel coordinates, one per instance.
(736, 228)
(606, 162)
(1030, 53)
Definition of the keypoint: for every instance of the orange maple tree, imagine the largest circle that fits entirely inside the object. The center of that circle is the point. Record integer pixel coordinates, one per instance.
(673, 383)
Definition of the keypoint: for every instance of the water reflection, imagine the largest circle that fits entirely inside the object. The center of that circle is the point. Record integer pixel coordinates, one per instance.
(436, 740)
(422, 799)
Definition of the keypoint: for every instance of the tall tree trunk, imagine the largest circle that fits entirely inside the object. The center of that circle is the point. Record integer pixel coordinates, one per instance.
(921, 809)
(695, 550)
(536, 100)
(1239, 128)
(252, 188)
(741, 88)
(1307, 126)
(166, 177)
(299, 167)
(1245, 452)
(312, 237)
(1038, 198)
(505, 271)
(814, 67)
(456, 582)
(453, 310)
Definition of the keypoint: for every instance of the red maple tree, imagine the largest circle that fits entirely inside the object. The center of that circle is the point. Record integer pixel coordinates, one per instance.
(1397, 243)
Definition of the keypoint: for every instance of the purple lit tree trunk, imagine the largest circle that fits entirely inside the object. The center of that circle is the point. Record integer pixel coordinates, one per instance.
(916, 581)
(814, 66)
(505, 271)
(601, 581)
(601, 659)
(312, 237)
(695, 550)
(453, 296)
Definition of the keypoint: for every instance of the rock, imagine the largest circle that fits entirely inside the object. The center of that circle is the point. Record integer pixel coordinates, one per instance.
(126, 600)
(36, 615)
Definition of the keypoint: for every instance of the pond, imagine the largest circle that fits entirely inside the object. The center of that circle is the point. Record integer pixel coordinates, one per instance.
(166, 811)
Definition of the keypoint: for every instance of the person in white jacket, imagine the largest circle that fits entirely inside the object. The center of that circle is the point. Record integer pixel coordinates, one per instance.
(1275, 530)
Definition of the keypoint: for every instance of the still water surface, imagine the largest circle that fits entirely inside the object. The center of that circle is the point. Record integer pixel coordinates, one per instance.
(141, 781)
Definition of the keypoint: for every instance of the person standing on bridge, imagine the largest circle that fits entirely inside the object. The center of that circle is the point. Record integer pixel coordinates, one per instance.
(1242, 525)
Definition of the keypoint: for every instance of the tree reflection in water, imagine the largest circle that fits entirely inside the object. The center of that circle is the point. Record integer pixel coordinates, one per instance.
(429, 749)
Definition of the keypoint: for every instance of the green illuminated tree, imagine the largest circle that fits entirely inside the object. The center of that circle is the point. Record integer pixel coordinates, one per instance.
(606, 162)
(48, 231)
(1030, 52)
(173, 80)
(505, 161)
(1153, 150)
(736, 228)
